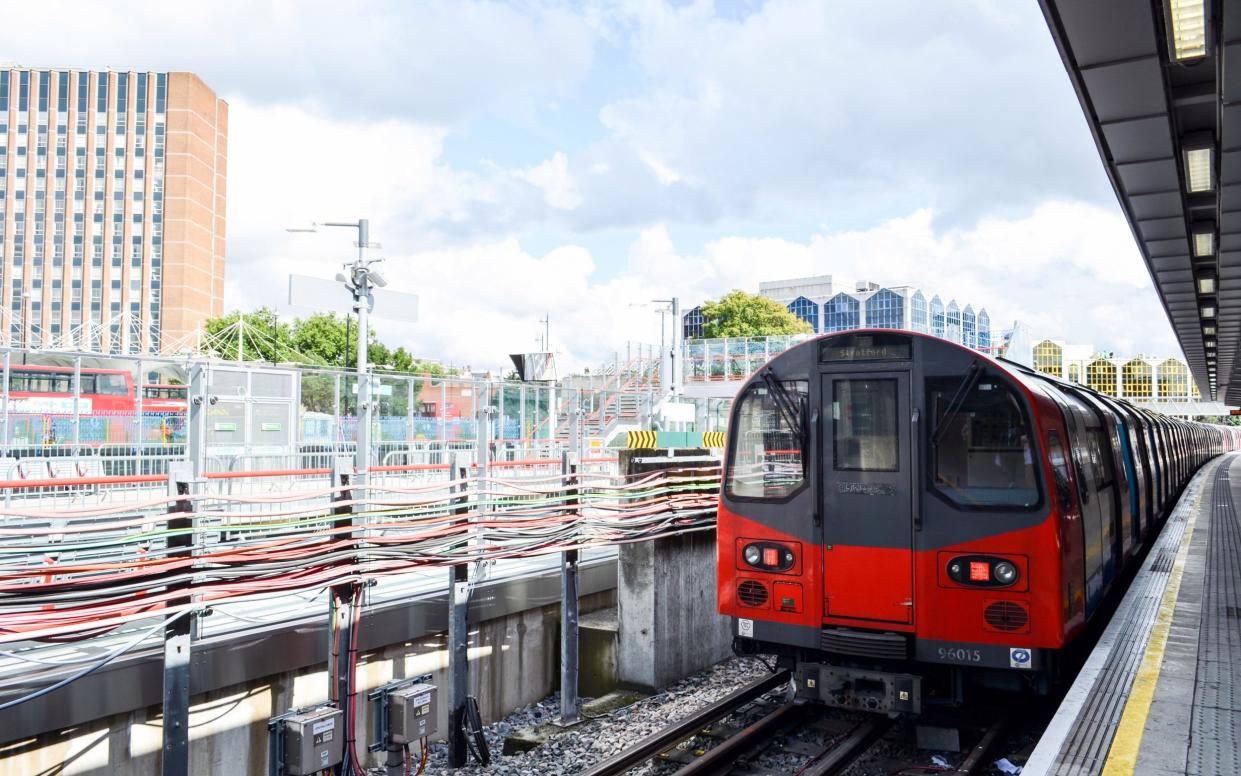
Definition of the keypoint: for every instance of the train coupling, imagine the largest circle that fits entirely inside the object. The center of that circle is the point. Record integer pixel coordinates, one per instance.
(859, 689)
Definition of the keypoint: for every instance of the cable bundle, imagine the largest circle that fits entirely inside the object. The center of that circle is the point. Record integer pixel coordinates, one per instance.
(71, 574)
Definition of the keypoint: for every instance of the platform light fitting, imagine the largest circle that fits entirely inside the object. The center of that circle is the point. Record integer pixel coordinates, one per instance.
(1204, 239)
(1187, 28)
(1208, 331)
(1210, 344)
(1198, 149)
(1206, 283)
(1208, 311)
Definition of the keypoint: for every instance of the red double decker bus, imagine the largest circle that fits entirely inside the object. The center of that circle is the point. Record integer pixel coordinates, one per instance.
(41, 407)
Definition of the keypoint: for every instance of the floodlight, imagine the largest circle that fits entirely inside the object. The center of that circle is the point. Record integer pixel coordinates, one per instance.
(1187, 28)
(377, 279)
(340, 278)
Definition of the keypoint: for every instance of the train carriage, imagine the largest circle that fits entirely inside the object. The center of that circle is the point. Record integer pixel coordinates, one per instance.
(900, 514)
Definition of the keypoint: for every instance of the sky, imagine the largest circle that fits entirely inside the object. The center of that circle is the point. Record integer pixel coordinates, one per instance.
(576, 160)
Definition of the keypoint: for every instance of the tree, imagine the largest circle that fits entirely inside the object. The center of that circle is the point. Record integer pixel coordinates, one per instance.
(739, 314)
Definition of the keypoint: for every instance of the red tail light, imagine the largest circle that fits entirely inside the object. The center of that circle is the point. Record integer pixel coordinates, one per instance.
(980, 571)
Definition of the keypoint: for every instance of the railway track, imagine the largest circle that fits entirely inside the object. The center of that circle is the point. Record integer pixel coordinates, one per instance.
(767, 725)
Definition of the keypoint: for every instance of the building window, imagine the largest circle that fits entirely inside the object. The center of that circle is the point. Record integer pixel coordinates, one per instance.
(1101, 376)
(885, 310)
(918, 313)
(806, 310)
(984, 331)
(1136, 379)
(952, 322)
(692, 322)
(1173, 380)
(937, 317)
(840, 313)
(1049, 358)
(969, 327)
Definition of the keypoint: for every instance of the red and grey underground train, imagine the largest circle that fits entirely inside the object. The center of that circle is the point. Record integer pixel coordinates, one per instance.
(900, 511)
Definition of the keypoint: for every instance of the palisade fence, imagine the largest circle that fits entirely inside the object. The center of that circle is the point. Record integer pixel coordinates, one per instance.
(66, 416)
(733, 358)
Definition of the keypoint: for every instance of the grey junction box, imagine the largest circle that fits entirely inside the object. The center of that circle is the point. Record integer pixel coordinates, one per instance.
(411, 713)
(313, 741)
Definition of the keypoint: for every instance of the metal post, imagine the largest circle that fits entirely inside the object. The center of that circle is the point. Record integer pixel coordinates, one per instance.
(4, 421)
(575, 416)
(482, 413)
(363, 460)
(196, 433)
(176, 728)
(674, 360)
(443, 410)
(410, 397)
(521, 414)
(569, 606)
(341, 597)
(77, 404)
(458, 633)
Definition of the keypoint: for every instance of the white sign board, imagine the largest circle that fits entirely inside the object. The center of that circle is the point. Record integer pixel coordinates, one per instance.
(320, 295)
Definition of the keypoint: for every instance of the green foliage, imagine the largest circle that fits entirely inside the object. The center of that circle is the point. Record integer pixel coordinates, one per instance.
(739, 314)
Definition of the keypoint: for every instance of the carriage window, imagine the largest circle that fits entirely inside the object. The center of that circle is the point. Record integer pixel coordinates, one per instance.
(981, 449)
(112, 385)
(864, 435)
(1059, 470)
(765, 459)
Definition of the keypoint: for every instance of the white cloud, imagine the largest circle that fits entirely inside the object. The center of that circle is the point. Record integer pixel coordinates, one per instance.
(435, 60)
(1051, 268)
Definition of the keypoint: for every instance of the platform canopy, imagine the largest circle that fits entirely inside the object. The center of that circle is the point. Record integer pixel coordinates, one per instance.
(1160, 84)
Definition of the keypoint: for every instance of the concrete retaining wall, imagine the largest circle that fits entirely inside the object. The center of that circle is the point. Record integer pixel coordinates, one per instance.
(513, 661)
(669, 625)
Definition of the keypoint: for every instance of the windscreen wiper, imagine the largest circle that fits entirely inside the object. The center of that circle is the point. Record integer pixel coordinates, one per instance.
(784, 403)
(958, 399)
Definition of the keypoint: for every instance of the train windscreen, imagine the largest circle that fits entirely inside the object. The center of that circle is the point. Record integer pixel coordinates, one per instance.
(766, 460)
(981, 453)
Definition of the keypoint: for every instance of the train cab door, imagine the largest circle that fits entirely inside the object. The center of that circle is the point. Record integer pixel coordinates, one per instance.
(866, 490)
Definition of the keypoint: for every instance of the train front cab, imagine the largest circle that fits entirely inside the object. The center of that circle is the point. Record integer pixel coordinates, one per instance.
(889, 505)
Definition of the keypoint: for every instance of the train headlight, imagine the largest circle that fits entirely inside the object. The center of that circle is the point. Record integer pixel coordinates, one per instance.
(769, 556)
(753, 555)
(1005, 572)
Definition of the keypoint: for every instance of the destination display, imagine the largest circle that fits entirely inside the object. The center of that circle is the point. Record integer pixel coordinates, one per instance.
(867, 347)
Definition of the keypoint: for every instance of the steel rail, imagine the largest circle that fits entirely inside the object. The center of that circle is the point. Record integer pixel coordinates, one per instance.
(843, 755)
(978, 755)
(665, 739)
(723, 757)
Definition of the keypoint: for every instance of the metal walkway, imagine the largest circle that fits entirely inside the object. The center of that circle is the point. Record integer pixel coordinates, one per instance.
(1159, 694)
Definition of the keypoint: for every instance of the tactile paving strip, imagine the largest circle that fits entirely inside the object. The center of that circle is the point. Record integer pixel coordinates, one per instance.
(1085, 748)
(1215, 726)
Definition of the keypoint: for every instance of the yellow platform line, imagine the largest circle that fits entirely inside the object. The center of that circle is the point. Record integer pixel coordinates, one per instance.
(1122, 758)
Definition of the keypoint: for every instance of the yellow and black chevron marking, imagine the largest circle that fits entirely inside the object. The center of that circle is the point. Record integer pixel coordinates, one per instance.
(713, 439)
(641, 440)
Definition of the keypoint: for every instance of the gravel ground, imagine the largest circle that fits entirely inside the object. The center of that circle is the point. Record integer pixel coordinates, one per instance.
(587, 744)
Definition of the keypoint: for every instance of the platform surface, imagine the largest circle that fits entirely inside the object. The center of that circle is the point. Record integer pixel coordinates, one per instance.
(1159, 694)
